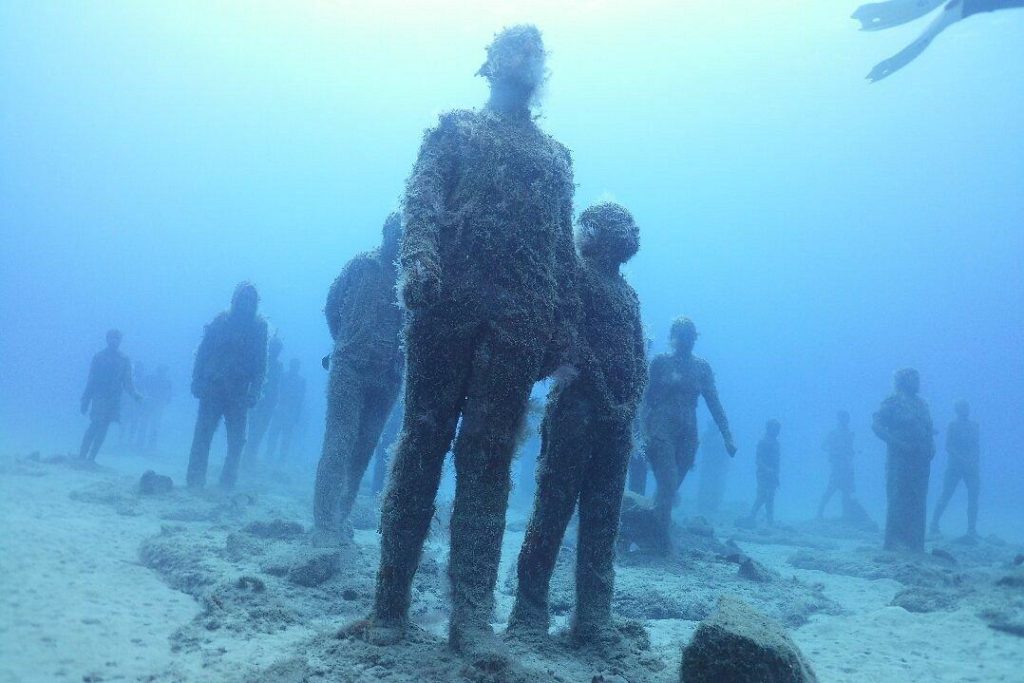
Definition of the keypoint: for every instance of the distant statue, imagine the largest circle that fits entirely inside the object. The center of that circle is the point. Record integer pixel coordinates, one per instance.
(227, 378)
(488, 270)
(382, 454)
(712, 470)
(110, 375)
(157, 392)
(262, 413)
(364, 320)
(839, 448)
(131, 413)
(905, 425)
(287, 413)
(669, 418)
(587, 436)
(963, 465)
(882, 15)
(768, 466)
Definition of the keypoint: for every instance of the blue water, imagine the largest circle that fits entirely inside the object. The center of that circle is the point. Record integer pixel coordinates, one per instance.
(821, 231)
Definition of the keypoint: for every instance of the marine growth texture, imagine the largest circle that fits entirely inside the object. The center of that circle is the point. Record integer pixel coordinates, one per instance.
(586, 435)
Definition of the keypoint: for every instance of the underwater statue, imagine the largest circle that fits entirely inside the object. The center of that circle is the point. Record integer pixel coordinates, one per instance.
(669, 418)
(489, 281)
(263, 412)
(364, 320)
(291, 394)
(130, 418)
(882, 15)
(962, 448)
(839, 448)
(157, 391)
(227, 378)
(712, 470)
(382, 454)
(587, 436)
(768, 460)
(110, 375)
(904, 423)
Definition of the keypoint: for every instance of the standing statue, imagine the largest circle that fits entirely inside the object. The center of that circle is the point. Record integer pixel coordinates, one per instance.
(768, 460)
(963, 450)
(262, 413)
(839, 448)
(287, 413)
(365, 366)
(587, 436)
(905, 425)
(110, 375)
(489, 280)
(669, 418)
(227, 378)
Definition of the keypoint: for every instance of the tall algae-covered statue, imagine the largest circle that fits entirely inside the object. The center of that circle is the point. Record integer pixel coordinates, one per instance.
(364, 319)
(110, 375)
(489, 280)
(263, 411)
(227, 378)
(669, 418)
(587, 436)
(905, 425)
(963, 451)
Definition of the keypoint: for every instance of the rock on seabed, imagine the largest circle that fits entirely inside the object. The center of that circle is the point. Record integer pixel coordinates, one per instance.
(737, 644)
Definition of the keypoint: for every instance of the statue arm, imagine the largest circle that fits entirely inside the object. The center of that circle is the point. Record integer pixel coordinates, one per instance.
(714, 404)
(423, 212)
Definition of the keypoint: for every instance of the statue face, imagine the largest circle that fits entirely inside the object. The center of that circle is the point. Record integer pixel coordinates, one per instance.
(908, 382)
(114, 340)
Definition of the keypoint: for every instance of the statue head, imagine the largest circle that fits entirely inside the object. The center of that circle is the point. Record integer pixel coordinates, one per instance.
(607, 234)
(114, 337)
(515, 66)
(772, 427)
(245, 301)
(843, 418)
(683, 335)
(907, 381)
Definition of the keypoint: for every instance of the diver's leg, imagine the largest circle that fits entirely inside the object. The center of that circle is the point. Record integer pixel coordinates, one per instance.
(564, 449)
(234, 424)
(206, 424)
(502, 376)
(600, 506)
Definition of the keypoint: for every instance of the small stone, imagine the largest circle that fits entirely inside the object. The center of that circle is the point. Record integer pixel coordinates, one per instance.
(349, 594)
(277, 529)
(754, 571)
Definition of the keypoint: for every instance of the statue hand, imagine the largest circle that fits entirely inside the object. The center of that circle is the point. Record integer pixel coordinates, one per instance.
(730, 447)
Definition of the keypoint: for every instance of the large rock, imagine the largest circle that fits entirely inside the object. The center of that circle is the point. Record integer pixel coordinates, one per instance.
(737, 644)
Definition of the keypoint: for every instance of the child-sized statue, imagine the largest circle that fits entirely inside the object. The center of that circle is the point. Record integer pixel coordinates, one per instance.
(586, 437)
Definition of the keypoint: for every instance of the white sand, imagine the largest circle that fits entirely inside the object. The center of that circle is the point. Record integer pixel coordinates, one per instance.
(77, 606)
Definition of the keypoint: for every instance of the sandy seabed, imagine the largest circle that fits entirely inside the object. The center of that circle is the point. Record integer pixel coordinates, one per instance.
(99, 583)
